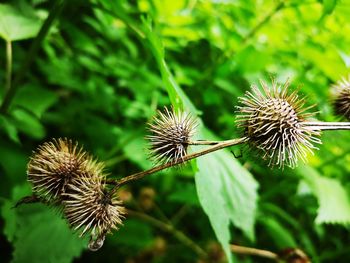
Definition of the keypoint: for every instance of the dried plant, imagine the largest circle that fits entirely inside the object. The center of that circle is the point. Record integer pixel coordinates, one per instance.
(171, 135)
(52, 167)
(274, 121)
(90, 208)
(341, 100)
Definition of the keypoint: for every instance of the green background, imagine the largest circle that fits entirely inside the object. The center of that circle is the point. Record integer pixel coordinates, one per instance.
(99, 76)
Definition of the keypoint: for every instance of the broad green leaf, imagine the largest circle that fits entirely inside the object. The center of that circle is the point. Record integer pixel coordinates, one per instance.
(184, 194)
(130, 234)
(220, 173)
(39, 234)
(280, 234)
(227, 192)
(328, 6)
(13, 161)
(333, 199)
(9, 214)
(35, 99)
(176, 94)
(17, 25)
(335, 66)
(28, 123)
(9, 128)
(134, 142)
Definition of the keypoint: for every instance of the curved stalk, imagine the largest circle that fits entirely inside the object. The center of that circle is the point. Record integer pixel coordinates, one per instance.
(137, 176)
(30, 56)
(168, 227)
(8, 65)
(254, 252)
(203, 142)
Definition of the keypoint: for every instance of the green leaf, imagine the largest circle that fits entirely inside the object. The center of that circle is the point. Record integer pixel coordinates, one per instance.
(227, 192)
(334, 69)
(28, 124)
(13, 161)
(9, 213)
(184, 194)
(130, 234)
(328, 6)
(220, 173)
(333, 199)
(39, 234)
(35, 99)
(280, 234)
(16, 25)
(9, 128)
(176, 94)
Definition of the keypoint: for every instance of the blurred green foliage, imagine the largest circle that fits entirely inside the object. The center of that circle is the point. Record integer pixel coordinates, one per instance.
(104, 69)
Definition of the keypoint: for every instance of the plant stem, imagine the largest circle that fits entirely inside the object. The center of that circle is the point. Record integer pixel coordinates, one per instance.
(265, 20)
(254, 252)
(170, 229)
(319, 125)
(8, 65)
(191, 156)
(203, 142)
(33, 50)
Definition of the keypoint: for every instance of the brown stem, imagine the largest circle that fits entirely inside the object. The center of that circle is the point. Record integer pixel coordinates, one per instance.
(153, 170)
(29, 200)
(203, 142)
(254, 252)
(170, 229)
(319, 125)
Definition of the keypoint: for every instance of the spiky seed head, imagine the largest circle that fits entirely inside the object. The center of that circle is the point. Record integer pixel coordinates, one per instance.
(52, 167)
(341, 94)
(273, 120)
(88, 207)
(171, 133)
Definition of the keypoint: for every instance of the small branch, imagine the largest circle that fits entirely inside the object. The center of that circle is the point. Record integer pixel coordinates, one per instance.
(203, 142)
(29, 200)
(153, 170)
(319, 125)
(8, 65)
(170, 229)
(254, 252)
(118, 13)
(265, 20)
(33, 50)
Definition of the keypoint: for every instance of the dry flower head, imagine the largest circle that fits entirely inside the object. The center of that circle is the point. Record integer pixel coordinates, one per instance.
(171, 134)
(273, 120)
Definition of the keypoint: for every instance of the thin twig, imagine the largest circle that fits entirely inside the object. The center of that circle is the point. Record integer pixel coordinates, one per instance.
(153, 170)
(254, 252)
(319, 125)
(8, 65)
(203, 142)
(118, 12)
(33, 50)
(265, 20)
(170, 229)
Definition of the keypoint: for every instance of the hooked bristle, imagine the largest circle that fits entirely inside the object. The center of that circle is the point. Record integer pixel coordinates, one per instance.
(89, 208)
(52, 167)
(171, 134)
(341, 101)
(272, 119)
